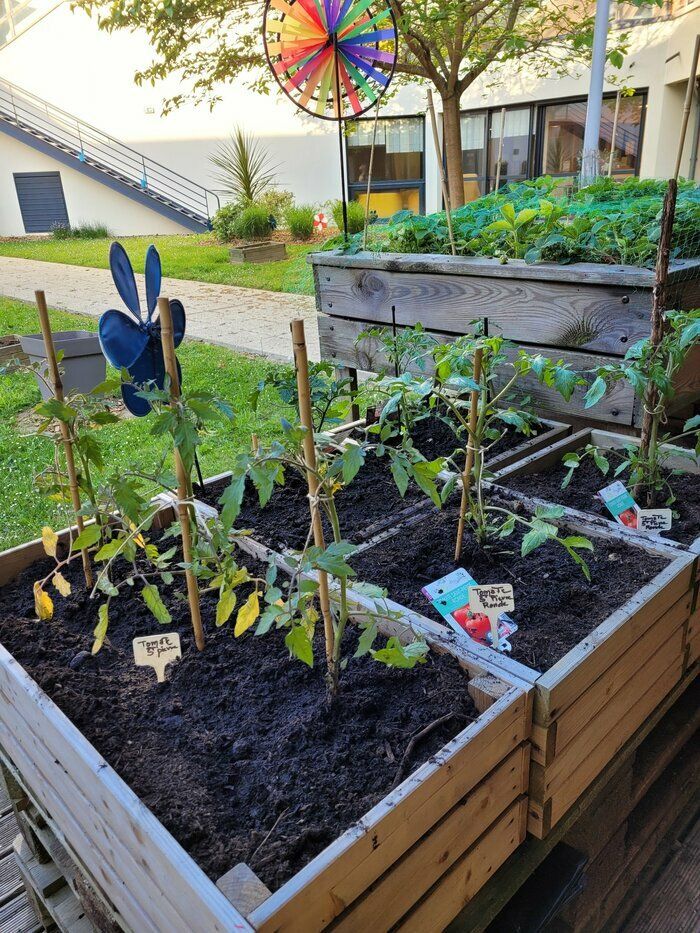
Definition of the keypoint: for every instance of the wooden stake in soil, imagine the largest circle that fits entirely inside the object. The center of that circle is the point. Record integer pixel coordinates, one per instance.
(301, 362)
(184, 481)
(687, 106)
(443, 180)
(55, 376)
(614, 132)
(469, 463)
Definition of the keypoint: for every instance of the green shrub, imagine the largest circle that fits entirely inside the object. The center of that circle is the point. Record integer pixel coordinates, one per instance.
(356, 216)
(81, 232)
(225, 220)
(253, 222)
(276, 201)
(300, 220)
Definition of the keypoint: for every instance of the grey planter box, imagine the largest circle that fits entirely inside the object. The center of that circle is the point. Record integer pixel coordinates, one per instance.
(83, 364)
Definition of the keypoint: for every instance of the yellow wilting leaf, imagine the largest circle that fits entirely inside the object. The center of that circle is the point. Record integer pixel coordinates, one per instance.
(61, 584)
(42, 603)
(49, 539)
(101, 628)
(138, 539)
(247, 614)
(225, 606)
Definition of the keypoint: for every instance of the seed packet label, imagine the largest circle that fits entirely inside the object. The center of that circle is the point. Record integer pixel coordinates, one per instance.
(620, 504)
(450, 596)
(654, 519)
(157, 651)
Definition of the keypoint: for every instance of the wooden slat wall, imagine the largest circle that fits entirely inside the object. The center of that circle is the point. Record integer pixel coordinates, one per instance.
(339, 345)
(584, 313)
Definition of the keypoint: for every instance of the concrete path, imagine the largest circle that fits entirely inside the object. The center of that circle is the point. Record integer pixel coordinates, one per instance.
(240, 318)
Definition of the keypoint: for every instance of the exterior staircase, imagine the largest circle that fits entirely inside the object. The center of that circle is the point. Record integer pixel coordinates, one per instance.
(88, 150)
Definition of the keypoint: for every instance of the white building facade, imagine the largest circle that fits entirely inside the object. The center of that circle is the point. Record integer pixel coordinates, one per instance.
(163, 181)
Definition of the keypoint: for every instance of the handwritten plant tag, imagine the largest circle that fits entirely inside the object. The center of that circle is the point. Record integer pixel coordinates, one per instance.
(157, 651)
(620, 504)
(492, 599)
(450, 596)
(654, 519)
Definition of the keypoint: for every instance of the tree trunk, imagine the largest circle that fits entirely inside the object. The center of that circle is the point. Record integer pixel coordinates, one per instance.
(453, 149)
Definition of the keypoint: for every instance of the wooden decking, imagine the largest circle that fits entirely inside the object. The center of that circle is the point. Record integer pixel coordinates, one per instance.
(16, 913)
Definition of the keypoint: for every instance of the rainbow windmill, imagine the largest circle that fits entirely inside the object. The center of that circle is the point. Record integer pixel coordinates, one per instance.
(333, 58)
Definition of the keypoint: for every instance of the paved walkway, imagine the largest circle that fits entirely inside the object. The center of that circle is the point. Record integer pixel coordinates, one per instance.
(240, 318)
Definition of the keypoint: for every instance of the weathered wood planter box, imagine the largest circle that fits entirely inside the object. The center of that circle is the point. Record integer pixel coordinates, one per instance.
(584, 313)
(11, 349)
(592, 700)
(269, 251)
(414, 860)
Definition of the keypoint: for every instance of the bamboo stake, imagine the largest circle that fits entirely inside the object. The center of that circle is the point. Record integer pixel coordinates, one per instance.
(254, 444)
(443, 180)
(184, 481)
(688, 104)
(614, 132)
(369, 177)
(301, 362)
(500, 148)
(55, 376)
(469, 463)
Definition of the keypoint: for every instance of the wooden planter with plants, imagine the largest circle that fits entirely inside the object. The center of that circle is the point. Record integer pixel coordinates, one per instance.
(443, 830)
(594, 696)
(584, 313)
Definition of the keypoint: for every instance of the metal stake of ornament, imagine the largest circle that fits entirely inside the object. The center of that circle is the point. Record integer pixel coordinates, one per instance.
(325, 52)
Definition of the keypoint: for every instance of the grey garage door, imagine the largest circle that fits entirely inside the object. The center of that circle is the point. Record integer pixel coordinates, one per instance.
(41, 201)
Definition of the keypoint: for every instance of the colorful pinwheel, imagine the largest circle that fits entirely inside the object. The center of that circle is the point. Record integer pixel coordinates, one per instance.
(333, 58)
(129, 340)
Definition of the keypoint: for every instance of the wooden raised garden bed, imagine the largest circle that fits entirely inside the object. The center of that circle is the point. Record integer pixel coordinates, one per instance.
(599, 692)
(268, 251)
(421, 852)
(583, 313)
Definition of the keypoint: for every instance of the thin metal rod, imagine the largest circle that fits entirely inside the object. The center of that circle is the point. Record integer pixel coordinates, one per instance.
(341, 141)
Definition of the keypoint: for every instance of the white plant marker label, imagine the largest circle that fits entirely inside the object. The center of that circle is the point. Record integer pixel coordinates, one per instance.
(157, 651)
(654, 519)
(492, 599)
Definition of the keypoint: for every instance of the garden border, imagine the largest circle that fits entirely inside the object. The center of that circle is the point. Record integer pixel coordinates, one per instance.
(468, 799)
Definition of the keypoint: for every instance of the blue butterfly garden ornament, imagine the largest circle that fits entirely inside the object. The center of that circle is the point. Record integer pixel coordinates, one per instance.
(131, 341)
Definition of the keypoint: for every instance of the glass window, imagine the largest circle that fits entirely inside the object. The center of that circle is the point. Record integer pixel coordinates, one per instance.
(473, 131)
(515, 151)
(398, 150)
(563, 129)
(387, 201)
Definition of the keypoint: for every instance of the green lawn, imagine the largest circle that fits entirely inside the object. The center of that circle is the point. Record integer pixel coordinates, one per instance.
(231, 375)
(195, 257)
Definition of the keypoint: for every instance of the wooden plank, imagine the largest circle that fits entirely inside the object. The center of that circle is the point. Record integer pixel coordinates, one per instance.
(677, 716)
(394, 825)
(565, 681)
(242, 887)
(10, 881)
(625, 727)
(17, 916)
(593, 732)
(403, 885)
(148, 877)
(459, 885)
(617, 274)
(577, 716)
(568, 315)
(338, 339)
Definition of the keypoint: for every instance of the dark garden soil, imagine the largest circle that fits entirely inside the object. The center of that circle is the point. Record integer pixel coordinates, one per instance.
(433, 437)
(364, 506)
(556, 607)
(588, 480)
(240, 741)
